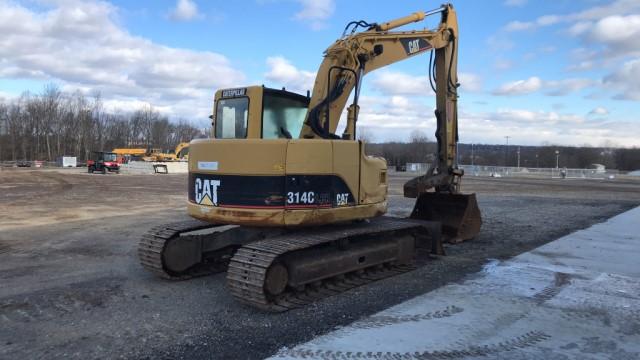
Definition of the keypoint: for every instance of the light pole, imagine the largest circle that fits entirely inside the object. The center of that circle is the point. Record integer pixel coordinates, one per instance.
(518, 157)
(472, 154)
(506, 152)
(537, 162)
(557, 159)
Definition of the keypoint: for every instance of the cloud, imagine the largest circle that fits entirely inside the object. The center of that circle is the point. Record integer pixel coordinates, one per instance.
(582, 66)
(394, 118)
(566, 86)
(185, 10)
(499, 42)
(529, 127)
(470, 82)
(599, 111)
(517, 25)
(551, 87)
(81, 45)
(618, 33)
(515, 3)
(400, 83)
(396, 114)
(582, 19)
(283, 73)
(132, 105)
(503, 64)
(615, 37)
(4, 96)
(625, 79)
(519, 87)
(315, 12)
(536, 117)
(583, 59)
(610, 34)
(613, 8)
(548, 49)
(546, 20)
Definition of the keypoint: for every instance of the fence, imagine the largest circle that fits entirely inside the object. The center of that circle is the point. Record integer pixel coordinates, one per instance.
(505, 171)
(502, 171)
(33, 164)
(133, 167)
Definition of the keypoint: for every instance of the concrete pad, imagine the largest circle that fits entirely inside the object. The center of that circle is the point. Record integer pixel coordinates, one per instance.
(576, 297)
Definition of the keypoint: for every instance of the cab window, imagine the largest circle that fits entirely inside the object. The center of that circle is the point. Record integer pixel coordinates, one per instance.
(231, 118)
(282, 116)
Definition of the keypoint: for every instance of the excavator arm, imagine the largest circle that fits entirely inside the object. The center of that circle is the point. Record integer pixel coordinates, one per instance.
(356, 54)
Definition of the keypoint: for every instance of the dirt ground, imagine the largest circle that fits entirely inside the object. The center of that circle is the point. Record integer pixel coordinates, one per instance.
(71, 285)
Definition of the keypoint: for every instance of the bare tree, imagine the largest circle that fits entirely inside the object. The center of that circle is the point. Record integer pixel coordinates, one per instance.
(54, 123)
(418, 137)
(365, 134)
(420, 149)
(4, 129)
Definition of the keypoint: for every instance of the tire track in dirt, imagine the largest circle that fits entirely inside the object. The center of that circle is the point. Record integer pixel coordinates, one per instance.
(60, 301)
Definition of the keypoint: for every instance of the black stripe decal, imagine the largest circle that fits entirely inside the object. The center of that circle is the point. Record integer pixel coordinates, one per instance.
(290, 191)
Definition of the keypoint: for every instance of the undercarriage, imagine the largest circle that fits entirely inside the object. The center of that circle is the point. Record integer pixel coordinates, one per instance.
(277, 269)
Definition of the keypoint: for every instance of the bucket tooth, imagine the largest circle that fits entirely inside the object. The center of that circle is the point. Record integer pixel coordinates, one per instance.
(458, 213)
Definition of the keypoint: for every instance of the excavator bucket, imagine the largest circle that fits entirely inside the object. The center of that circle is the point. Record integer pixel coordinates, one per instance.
(458, 213)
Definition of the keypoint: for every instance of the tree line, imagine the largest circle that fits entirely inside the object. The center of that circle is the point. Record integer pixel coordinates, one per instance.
(54, 123)
(420, 149)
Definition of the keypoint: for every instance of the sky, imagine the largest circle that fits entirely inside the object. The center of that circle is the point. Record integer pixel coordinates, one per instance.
(563, 72)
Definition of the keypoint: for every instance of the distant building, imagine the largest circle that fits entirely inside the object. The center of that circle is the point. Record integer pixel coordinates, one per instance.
(67, 161)
(417, 167)
(599, 168)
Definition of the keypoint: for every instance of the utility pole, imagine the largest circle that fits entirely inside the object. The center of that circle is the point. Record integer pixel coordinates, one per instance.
(472, 154)
(506, 152)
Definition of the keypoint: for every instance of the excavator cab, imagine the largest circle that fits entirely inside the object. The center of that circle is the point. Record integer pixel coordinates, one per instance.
(258, 112)
(257, 171)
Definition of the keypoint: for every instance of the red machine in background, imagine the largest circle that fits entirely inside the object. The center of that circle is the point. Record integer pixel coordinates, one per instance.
(102, 162)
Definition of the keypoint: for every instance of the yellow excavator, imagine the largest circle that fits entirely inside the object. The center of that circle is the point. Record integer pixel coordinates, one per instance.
(293, 211)
(181, 153)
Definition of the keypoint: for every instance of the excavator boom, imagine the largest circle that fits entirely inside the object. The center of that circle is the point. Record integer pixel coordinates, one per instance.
(355, 55)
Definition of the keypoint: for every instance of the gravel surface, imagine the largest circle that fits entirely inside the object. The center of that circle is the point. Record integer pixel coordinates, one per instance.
(71, 286)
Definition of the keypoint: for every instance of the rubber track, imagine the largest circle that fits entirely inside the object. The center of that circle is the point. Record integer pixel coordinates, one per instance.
(248, 267)
(152, 244)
